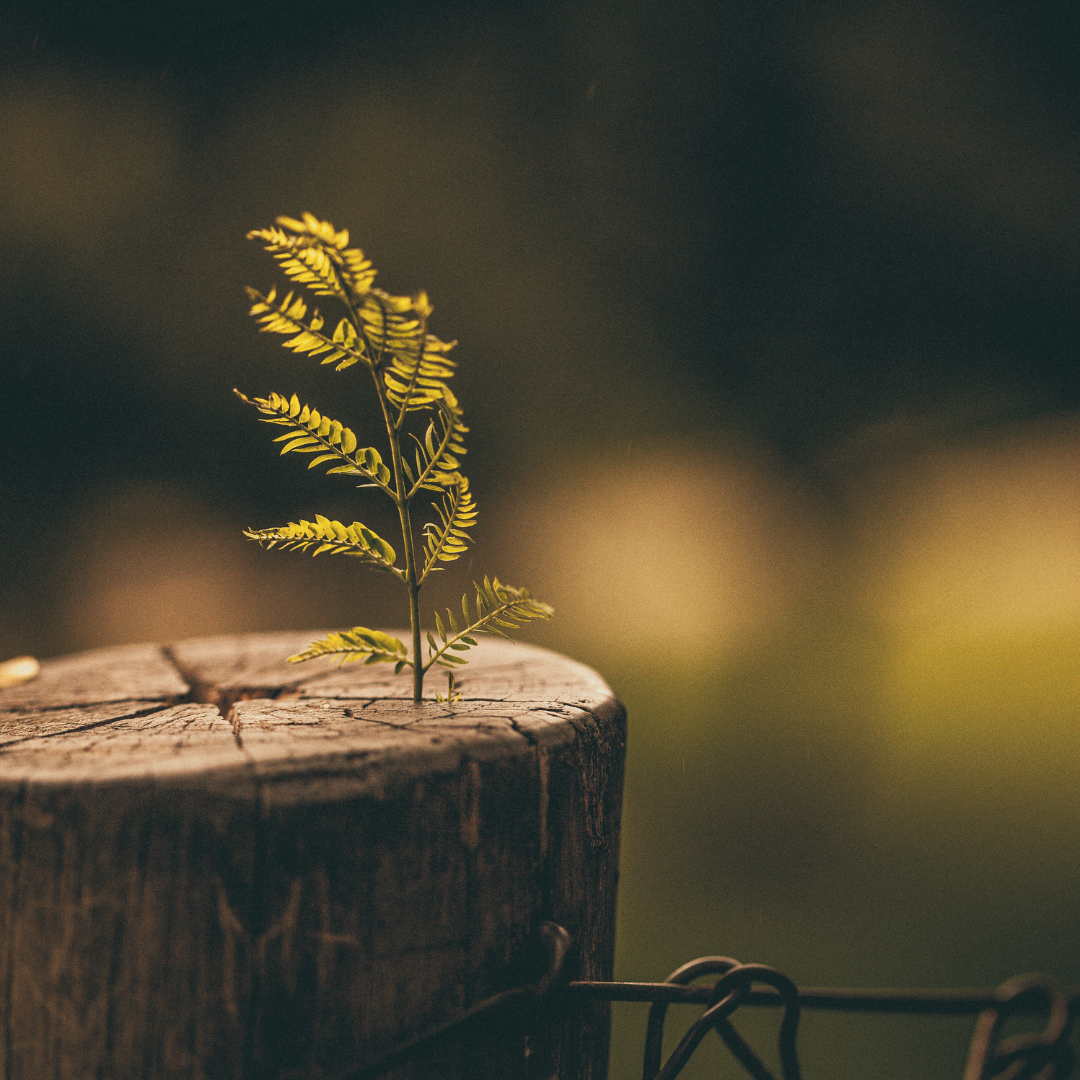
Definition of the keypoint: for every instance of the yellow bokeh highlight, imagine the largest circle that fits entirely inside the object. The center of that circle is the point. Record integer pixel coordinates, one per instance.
(970, 563)
(667, 551)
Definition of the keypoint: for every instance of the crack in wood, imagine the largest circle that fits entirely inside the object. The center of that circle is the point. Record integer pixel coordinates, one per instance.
(80, 728)
(27, 710)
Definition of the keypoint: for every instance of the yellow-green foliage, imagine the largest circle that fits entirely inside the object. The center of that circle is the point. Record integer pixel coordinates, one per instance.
(325, 535)
(447, 540)
(410, 368)
(310, 432)
(359, 643)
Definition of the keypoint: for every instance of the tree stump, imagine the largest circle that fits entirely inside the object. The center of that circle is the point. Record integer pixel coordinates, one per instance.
(214, 864)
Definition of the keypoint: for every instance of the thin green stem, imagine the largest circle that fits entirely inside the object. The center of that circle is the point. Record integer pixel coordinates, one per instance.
(412, 582)
(414, 618)
(401, 498)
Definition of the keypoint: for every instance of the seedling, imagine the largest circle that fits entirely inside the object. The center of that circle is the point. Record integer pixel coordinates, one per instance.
(410, 369)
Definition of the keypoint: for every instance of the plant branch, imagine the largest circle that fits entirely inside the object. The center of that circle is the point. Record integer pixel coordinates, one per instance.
(448, 433)
(415, 374)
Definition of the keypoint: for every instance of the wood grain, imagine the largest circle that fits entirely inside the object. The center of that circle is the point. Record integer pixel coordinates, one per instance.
(217, 864)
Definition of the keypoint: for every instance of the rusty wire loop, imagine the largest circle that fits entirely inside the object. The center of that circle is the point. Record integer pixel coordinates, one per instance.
(730, 991)
(654, 1033)
(1045, 1055)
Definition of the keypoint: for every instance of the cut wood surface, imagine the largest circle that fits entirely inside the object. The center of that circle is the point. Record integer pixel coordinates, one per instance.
(214, 863)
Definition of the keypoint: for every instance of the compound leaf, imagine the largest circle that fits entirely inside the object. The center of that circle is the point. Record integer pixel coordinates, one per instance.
(359, 643)
(313, 433)
(288, 317)
(322, 534)
(497, 605)
(448, 540)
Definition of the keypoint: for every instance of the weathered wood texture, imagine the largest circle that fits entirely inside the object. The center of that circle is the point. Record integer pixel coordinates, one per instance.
(214, 864)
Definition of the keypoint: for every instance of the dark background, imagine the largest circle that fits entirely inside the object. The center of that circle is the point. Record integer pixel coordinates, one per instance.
(768, 331)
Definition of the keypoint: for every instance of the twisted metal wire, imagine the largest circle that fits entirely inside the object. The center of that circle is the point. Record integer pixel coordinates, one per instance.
(727, 995)
(1044, 1055)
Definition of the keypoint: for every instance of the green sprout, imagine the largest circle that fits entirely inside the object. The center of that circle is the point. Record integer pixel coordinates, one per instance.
(410, 369)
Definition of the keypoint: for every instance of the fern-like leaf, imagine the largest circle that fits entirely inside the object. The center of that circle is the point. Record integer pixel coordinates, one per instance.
(415, 364)
(322, 534)
(359, 643)
(448, 540)
(314, 253)
(498, 608)
(390, 333)
(303, 259)
(312, 433)
(438, 456)
(344, 347)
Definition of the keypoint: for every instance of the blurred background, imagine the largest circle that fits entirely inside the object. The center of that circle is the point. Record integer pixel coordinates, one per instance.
(768, 320)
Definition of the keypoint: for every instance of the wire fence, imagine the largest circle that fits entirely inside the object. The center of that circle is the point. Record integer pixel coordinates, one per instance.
(1040, 1055)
